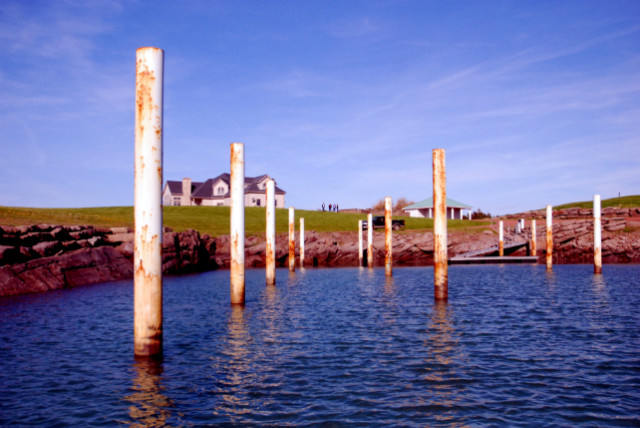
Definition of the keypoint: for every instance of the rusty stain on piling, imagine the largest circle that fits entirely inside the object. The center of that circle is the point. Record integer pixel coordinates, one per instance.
(441, 281)
(597, 255)
(388, 240)
(148, 203)
(534, 243)
(292, 241)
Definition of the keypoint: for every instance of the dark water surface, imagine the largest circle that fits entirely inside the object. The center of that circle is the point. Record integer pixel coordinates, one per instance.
(515, 346)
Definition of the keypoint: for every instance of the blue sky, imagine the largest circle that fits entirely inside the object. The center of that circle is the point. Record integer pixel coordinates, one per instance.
(341, 102)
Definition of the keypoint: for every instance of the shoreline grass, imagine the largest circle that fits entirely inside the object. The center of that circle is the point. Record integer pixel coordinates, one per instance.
(211, 220)
(621, 202)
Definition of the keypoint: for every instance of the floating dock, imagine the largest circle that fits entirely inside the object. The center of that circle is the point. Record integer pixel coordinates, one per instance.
(490, 255)
(492, 259)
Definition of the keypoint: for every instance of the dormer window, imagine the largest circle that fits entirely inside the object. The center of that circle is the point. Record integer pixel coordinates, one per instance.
(220, 190)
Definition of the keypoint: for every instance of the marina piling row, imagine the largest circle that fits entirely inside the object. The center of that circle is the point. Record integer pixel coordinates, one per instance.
(440, 273)
(148, 180)
(147, 280)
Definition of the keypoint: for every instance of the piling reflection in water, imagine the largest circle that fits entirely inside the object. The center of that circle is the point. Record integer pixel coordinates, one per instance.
(149, 406)
(238, 364)
(600, 291)
(441, 347)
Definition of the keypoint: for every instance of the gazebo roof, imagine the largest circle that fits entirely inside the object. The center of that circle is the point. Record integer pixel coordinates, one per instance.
(428, 203)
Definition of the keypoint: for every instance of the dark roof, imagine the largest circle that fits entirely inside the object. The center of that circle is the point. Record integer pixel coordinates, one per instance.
(175, 187)
(204, 190)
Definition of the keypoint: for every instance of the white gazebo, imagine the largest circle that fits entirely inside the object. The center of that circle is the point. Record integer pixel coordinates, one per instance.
(424, 209)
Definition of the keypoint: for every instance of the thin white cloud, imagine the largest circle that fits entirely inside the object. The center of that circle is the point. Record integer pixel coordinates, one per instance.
(355, 28)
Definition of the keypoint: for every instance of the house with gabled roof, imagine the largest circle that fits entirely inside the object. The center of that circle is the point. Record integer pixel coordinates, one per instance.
(424, 209)
(216, 192)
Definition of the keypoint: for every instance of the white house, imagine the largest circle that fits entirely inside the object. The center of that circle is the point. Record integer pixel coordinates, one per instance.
(424, 209)
(215, 192)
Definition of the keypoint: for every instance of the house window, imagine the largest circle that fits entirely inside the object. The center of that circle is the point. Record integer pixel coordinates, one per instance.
(220, 190)
(176, 201)
(258, 202)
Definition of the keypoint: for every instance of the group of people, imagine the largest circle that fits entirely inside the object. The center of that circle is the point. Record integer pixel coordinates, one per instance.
(332, 207)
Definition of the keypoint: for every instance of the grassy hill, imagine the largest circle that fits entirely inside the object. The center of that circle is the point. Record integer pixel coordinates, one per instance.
(211, 220)
(622, 202)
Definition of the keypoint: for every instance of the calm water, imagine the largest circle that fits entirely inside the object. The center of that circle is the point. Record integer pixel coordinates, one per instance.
(514, 346)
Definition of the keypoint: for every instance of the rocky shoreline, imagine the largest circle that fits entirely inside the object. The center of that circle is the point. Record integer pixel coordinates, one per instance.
(39, 258)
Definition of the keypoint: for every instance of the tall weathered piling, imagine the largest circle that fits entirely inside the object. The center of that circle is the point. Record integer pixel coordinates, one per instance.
(534, 243)
(237, 223)
(441, 281)
(549, 246)
(388, 240)
(270, 261)
(301, 242)
(292, 240)
(360, 249)
(147, 295)
(501, 239)
(370, 240)
(597, 235)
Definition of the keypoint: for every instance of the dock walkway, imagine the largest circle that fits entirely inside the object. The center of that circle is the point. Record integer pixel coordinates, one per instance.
(490, 255)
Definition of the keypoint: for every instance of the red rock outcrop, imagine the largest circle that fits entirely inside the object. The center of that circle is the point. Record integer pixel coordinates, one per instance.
(84, 266)
(41, 257)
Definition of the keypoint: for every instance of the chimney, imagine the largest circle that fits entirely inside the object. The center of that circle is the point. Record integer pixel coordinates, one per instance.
(186, 191)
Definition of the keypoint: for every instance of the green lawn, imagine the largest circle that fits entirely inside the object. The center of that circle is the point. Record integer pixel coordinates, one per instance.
(211, 220)
(622, 202)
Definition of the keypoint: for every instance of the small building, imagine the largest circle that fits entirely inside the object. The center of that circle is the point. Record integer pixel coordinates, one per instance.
(424, 209)
(215, 192)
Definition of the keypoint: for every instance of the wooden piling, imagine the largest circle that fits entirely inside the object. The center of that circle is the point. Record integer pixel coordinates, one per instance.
(292, 240)
(597, 236)
(147, 279)
(441, 281)
(237, 223)
(501, 239)
(270, 261)
(301, 243)
(388, 240)
(534, 243)
(549, 246)
(370, 241)
(360, 249)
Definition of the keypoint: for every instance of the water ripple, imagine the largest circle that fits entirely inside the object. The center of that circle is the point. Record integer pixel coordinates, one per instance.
(515, 346)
